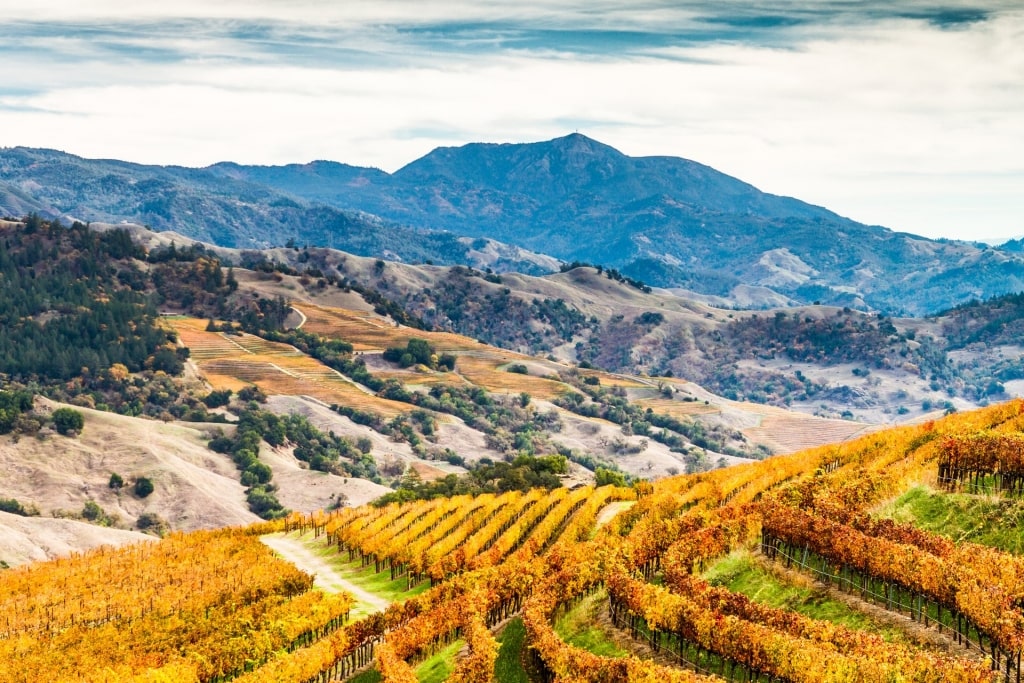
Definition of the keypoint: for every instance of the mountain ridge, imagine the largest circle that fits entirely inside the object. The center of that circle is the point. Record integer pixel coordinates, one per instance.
(668, 221)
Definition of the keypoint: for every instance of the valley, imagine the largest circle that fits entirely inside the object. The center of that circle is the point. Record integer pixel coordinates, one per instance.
(493, 342)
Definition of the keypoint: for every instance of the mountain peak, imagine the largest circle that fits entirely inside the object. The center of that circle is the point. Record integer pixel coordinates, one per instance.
(563, 165)
(579, 141)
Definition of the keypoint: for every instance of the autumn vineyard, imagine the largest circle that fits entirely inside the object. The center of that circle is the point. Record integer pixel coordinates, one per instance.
(220, 606)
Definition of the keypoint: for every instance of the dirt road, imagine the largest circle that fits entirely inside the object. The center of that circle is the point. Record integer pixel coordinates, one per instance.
(326, 578)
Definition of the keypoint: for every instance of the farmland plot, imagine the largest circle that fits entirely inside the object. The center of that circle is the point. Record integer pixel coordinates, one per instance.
(234, 361)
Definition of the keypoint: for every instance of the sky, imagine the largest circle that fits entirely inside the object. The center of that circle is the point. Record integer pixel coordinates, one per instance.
(903, 114)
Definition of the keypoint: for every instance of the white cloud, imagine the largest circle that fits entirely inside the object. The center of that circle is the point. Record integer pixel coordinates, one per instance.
(894, 122)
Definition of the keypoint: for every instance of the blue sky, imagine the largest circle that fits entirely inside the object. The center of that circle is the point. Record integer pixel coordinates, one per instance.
(904, 114)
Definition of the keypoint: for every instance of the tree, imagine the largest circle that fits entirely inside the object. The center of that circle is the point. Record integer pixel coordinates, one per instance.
(216, 399)
(12, 405)
(417, 351)
(167, 360)
(420, 350)
(68, 420)
(143, 487)
(92, 511)
(604, 477)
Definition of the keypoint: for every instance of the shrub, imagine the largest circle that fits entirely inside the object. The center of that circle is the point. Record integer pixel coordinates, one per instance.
(92, 511)
(216, 399)
(650, 318)
(67, 420)
(14, 507)
(264, 503)
(221, 444)
(151, 522)
(252, 394)
(604, 477)
(116, 481)
(261, 471)
(143, 487)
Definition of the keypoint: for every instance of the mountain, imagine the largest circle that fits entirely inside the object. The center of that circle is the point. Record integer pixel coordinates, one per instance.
(214, 207)
(667, 221)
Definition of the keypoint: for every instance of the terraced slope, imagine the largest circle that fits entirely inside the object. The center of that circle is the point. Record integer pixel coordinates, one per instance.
(232, 362)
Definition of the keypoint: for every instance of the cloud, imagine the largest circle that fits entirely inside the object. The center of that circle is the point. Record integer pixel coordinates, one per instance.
(891, 113)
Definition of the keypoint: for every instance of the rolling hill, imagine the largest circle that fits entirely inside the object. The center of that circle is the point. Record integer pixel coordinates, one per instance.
(826, 360)
(324, 379)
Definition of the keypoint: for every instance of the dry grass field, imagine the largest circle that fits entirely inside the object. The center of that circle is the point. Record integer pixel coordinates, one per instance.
(487, 371)
(611, 380)
(678, 409)
(234, 361)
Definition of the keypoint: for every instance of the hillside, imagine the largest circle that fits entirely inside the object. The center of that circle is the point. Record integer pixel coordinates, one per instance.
(790, 569)
(528, 493)
(35, 539)
(836, 362)
(669, 222)
(300, 345)
(296, 398)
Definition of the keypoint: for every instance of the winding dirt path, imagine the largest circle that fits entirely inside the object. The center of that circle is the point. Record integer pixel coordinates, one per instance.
(325, 577)
(609, 511)
(301, 315)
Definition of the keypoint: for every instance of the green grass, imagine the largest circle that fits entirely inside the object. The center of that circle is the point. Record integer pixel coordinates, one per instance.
(368, 676)
(508, 668)
(439, 667)
(740, 572)
(579, 627)
(988, 520)
(379, 584)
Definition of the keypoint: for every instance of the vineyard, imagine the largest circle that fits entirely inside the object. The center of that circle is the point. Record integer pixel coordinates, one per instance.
(238, 360)
(202, 606)
(478, 364)
(217, 606)
(367, 331)
(789, 432)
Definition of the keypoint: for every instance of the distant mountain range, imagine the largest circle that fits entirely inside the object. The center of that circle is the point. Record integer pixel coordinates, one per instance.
(667, 221)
